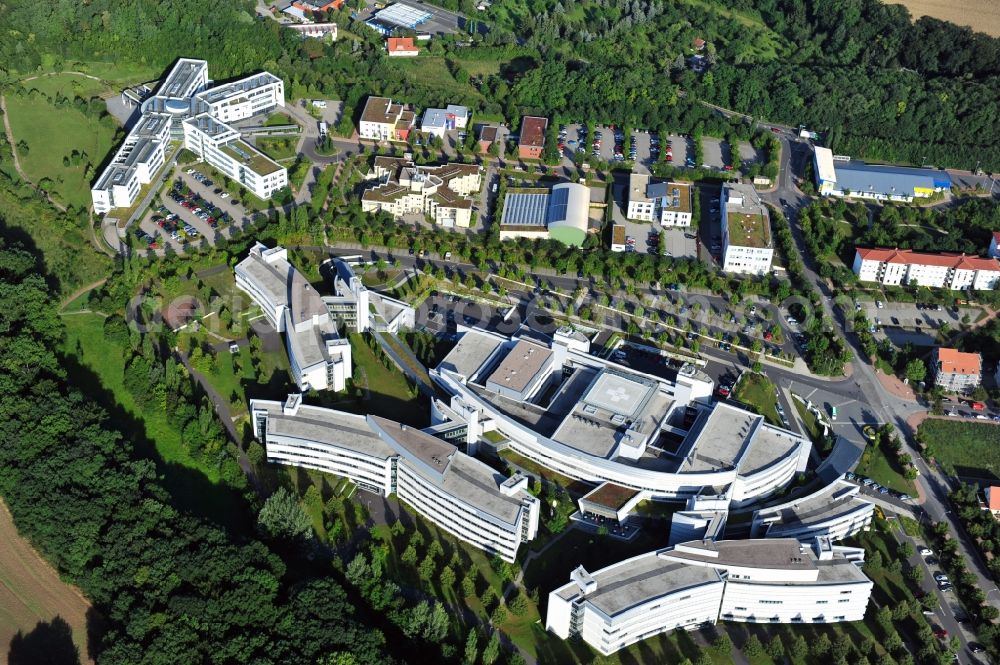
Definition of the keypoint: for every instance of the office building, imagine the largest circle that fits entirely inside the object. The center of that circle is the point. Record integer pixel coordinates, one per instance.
(532, 137)
(438, 122)
(836, 511)
(700, 582)
(595, 421)
(319, 358)
(667, 203)
(842, 176)
(747, 245)
(439, 192)
(904, 267)
(381, 120)
(955, 371)
(186, 108)
(460, 494)
(360, 310)
(561, 213)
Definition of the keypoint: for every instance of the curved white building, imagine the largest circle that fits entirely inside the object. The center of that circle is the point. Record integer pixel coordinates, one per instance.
(699, 582)
(598, 422)
(836, 511)
(319, 358)
(460, 494)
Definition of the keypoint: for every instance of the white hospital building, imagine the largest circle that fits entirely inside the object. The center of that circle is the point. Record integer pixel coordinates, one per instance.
(460, 494)
(701, 582)
(320, 359)
(186, 108)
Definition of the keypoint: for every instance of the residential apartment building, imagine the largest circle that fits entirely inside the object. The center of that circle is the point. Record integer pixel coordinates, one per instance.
(438, 122)
(319, 358)
(381, 120)
(747, 245)
(460, 494)
(441, 192)
(955, 371)
(895, 267)
(532, 137)
(702, 581)
(667, 203)
(992, 503)
(186, 108)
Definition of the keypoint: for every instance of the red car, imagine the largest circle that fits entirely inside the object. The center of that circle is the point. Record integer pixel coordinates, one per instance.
(775, 130)
(669, 157)
(723, 391)
(768, 336)
(728, 167)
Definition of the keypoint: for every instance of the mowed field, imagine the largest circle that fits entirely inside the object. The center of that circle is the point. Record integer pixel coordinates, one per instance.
(31, 591)
(980, 15)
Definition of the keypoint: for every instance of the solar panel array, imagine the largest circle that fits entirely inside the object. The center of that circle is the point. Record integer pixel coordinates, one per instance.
(525, 209)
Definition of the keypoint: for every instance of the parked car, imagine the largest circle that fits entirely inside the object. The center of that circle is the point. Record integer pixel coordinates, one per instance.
(925, 551)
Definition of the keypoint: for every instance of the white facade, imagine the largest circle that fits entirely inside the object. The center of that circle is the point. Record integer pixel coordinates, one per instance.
(618, 415)
(668, 203)
(361, 310)
(221, 147)
(441, 192)
(382, 120)
(319, 358)
(895, 267)
(438, 122)
(835, 512)
(184, 107)
(747, 246)
(701, 582)
(460, 494)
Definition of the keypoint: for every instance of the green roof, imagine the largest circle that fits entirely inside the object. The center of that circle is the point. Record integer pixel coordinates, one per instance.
(251, 158)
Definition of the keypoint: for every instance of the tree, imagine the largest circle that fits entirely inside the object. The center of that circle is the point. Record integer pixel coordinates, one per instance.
(722, 644)
(447, 577)
(799, 649)
(471, 648)
(776, 649)
(282, 518)
(492, 650)
(916, 370)
(753, 648)
(820, 647)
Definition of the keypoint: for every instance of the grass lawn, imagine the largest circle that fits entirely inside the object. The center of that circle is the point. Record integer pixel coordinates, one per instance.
(278, 147)
(52, 134)
(379, 390)
(964, 448)
(880, 465)
(416, 368)
(757, 391)
(195, 486)
(432, 72)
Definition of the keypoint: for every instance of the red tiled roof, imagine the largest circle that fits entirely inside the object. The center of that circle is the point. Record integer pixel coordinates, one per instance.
(908, 256)
(954, 361)
(396, 44)
(993, 497)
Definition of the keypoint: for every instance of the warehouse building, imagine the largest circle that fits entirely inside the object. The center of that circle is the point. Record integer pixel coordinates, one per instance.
(460, 494)
(842, 176)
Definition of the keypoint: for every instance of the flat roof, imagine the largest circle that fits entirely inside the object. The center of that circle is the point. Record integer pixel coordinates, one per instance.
(468, 355)
(674, 196)
(733, 437)
(638, 580)
(402, 15)
(239, 87)
(830, 502)
(610, 495)
(181, 77)
(746, 217)
(521, 364)
(250, 157)
(858, 176)
(326, 426)
(533, 131)
(769, 553)
(825, 171)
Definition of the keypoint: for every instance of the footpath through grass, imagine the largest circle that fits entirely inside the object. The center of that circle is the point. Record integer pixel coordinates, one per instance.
(963, 448)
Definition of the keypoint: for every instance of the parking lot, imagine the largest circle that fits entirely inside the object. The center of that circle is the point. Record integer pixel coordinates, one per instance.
(749, 154)
(715, 153)
(680, 243)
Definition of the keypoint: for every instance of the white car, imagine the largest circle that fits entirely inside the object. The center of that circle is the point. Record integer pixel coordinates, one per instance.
(879, 304)
(925, 551)
(225, 195)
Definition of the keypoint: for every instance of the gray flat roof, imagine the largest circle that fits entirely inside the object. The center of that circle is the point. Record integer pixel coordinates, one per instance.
(402, 15)
(832, 501)
(417, 445)
(479, 485)
(471, 351)
(327, 426)
(733, 437)
(770, 553)
(180, 77)
(890, 180)
(219, 93)
(521, 364)
(638, 580)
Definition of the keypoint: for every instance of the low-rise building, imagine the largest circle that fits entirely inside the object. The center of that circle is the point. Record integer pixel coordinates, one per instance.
(401, 47)
(955, 371)
(895, 267)
(532, 137)
(840, 176)
(667, 203)
(460, 494)
(561, 213)
(438, 122)
(360, 310)
(994, 251)
(488, 135)
(992, 504)
(319, 358)
(382, 120)
(618, 238)
(311, 7)
(836, 511)
(327, 31)
(702, 581)
(441, 192)
(747, 245)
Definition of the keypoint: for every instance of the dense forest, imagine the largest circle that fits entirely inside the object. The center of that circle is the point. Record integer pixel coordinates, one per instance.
(881, 86)
(168, 587)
